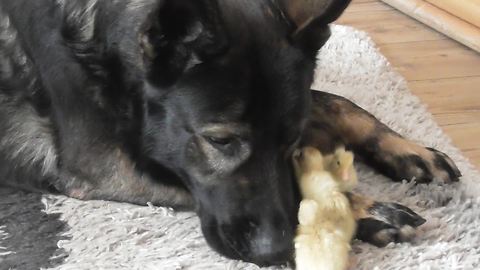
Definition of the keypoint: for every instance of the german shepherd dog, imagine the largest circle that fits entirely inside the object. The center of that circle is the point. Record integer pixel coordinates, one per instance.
(192, 104)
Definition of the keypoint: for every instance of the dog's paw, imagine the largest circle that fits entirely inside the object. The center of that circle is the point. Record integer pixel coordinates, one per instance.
(426, 166)
(71, 186)
(388, 223)
(401, 159)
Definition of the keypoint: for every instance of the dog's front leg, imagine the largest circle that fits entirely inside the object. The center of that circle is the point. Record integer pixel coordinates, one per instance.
(336, 120)
(116, 178)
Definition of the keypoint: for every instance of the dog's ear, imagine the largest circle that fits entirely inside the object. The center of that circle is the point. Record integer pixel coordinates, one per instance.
(180, 35)
(311, 19)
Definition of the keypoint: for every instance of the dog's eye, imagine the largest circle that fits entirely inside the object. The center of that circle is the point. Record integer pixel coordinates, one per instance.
(227, 139)
(226, 145)
(220, 141)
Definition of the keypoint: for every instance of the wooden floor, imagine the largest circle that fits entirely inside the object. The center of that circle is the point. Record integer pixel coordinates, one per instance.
(442, 72)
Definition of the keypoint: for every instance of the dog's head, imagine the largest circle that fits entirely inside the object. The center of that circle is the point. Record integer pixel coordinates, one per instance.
(227, 100)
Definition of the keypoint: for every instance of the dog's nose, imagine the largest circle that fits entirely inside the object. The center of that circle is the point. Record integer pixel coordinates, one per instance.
(268, 251)
(271, 245)
(263, 242)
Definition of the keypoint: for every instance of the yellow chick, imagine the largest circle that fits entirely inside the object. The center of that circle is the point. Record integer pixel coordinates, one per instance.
(341, 165)
(327, 224)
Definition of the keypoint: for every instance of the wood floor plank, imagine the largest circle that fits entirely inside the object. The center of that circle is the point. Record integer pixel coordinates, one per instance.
(464, 136)
(355, 2)
(455, 94)
(444, 74)
(368, 7)
(389, 26)
(437, 59)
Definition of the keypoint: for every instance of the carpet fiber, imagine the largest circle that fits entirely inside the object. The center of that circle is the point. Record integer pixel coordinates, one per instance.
(54, 232)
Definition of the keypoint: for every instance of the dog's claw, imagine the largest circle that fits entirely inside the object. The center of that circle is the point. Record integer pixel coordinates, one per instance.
(443, 163)
(388, 223)
(395, 214)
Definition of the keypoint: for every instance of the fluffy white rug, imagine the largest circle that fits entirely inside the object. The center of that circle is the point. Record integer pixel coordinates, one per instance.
(107, 235)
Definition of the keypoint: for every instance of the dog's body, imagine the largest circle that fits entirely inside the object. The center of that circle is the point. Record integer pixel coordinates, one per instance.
(190, 104)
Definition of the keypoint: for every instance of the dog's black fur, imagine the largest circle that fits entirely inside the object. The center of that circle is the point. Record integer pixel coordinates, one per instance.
(193, 104)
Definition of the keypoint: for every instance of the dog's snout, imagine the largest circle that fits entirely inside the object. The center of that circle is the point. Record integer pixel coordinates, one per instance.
(255, 222)
(271, 247)
(265, 242)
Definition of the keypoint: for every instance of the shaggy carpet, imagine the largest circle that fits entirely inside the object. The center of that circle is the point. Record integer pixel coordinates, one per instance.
(55, 232)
